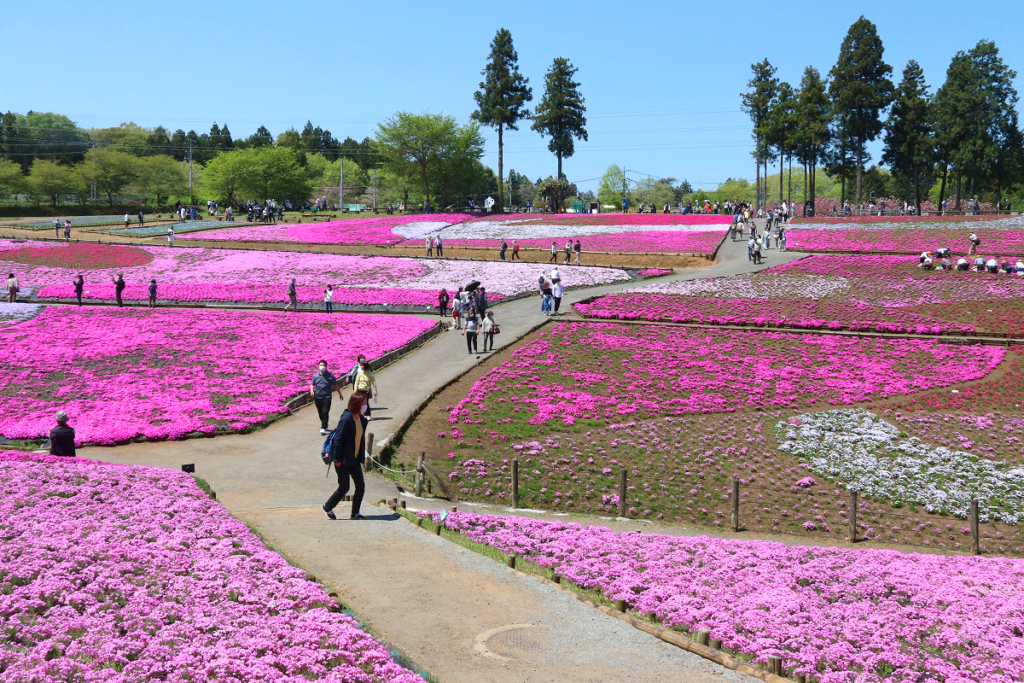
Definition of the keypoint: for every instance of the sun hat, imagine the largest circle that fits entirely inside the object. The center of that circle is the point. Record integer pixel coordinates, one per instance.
(62, 416)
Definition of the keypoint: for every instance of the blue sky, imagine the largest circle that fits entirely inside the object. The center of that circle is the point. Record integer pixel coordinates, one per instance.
(661, 79)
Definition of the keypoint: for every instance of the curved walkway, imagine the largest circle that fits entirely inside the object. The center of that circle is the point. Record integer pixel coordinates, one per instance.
(426, 595)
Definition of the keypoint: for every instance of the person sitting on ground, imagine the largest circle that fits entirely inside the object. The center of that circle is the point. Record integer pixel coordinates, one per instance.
(62, 437)
(992, 265)
(979, 264)
(963, 264)
(942, 252)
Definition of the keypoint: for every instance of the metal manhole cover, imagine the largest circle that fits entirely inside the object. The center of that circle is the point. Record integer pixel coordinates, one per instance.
(511, 642)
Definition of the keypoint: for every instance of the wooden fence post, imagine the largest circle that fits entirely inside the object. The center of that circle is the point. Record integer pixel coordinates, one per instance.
(419, 473)
(975, 530)
(622, 494)
(853, 516)
(515, 483)
(368, 463)
(735, 503)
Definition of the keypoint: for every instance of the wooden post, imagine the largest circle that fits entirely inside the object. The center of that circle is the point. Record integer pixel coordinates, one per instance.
(419, 473)
(622, 493)
(511, 561)
(437, 529)
(800, 678)
(703, 636)
(368, 463)
(556, 578)
(975, 530)
(620, 605)
(735, 504)
(775, 665)
(715, 643)
(853, 516)
(515, 483)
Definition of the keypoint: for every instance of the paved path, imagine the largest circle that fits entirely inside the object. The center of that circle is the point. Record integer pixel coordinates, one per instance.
(428, 597)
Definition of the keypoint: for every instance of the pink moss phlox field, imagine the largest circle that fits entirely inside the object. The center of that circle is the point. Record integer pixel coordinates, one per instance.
(835, 614)
(999, 237)
(603, 219)
(798, 314)
(253, 277)
(118, 573)
(377, 230)
(937, 221)
(162, 374)
(662, 242)
(601, 371)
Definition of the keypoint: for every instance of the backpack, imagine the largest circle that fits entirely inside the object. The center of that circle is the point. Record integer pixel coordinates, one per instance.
(327, 450)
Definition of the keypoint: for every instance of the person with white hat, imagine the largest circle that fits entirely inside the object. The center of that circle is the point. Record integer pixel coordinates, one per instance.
(62, 437)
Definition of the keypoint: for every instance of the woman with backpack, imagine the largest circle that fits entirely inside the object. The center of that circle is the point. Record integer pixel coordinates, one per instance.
(348, 450)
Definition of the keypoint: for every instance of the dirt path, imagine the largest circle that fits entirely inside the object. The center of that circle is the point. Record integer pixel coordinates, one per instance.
(429, 597)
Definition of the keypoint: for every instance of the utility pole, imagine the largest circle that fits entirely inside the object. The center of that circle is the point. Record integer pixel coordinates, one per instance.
(341, 184)
(510, 189)
(375, 189)
(190, 173)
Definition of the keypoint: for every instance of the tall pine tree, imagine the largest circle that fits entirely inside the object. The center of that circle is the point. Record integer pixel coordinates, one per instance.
(812, 115)
(909, 132)
(503, 95)
(762, 89)
(561, 114)
(861, 89)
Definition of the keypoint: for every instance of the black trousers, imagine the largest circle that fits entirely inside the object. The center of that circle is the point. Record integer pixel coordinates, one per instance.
(119, 302)
(78, 295)
(354, 470)
(323, 409)
(471, 341)
(558, 302)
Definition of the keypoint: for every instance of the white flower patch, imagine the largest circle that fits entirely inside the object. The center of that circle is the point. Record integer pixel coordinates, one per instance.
(508, 279)
(419, 229)
(760, 286)
(867, 454)
(12, 314)
(517, 230)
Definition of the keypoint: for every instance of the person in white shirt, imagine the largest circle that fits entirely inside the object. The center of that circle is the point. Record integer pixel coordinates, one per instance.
(555, 275)
(962, 264)
(170, 236)
(556, 292)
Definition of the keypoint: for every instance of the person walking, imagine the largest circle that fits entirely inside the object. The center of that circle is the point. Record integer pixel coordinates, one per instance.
(578, 248)
(541, 280)
(556, 293)
(515, 250)
(782, 238)
(757, 253)
(67, 231)
(442, 303)
(321, 387)
(12, 288)
(440, 247)
(490, 329)
(349, 454)
(119, 286)
(56, 227)
(329, 299)
(428, 242)
(365, 383)
(152, 293)
(62, 437)
(750, 246)
(554, 253)
(293, 297)
(472, 327)
(170, 235)
(545, 297)
(457, 309)
(142, 219)
(481, 301)
(503, 249)
(127, 221)
(568, 251)
(79, 283)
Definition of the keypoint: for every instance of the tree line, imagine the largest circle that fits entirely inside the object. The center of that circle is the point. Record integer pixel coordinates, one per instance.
(965, 135)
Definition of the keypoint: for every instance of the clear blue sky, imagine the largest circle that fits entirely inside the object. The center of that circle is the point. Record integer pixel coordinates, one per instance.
(661, 80)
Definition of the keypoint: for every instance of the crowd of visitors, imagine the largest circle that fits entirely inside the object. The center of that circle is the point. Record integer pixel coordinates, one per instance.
(942, 259)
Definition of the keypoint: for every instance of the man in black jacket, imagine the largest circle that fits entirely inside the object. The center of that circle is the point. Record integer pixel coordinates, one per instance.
(118, 289)
(62, 437)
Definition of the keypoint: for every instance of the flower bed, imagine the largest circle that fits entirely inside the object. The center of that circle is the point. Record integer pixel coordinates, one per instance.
(77, 256)
(604, 372)
(867, 454)
(12, 314)
(113, 573)
(611, 233)
(253, 277)
(861, 293)
(938, 221)
(163, 374)
(377, 230)
(831, 614)
(160, 229)
(1003, 236)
